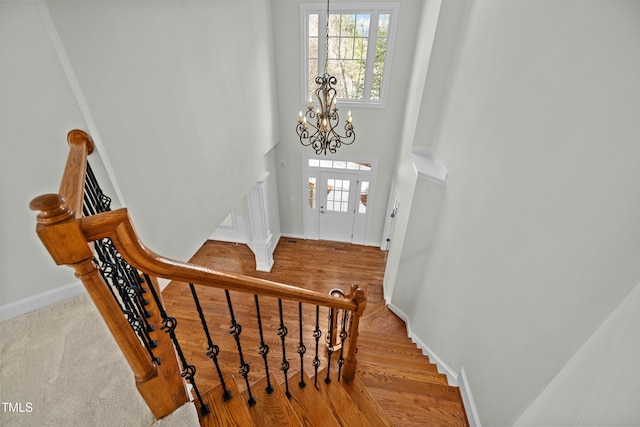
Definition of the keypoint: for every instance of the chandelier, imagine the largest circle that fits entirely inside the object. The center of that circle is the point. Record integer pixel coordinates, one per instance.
(317, 128)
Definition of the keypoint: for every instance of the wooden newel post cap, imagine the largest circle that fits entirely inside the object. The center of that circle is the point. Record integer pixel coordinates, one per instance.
(52, 208)
(79, 137)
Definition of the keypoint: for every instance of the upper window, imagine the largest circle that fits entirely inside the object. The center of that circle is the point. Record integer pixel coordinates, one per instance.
(359, 49)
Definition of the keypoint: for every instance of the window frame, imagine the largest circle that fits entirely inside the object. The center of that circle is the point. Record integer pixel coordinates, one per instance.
(393, 8)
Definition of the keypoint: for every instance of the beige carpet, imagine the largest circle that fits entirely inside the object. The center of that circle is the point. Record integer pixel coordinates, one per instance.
(63, 361)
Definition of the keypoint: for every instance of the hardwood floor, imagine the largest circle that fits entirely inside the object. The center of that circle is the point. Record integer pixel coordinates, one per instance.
(405, 384)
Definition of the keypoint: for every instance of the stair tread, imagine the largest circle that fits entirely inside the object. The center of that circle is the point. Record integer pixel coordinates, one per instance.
(342, 406)
(369, 408)
(390, 359)
(401, 408)
(232, 413)
(271, 409)
(399, 345)
(311, 410)
(389, 374)
(439, 391)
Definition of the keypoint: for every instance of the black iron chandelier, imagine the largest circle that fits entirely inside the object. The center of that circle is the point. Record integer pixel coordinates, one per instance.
(317, 128)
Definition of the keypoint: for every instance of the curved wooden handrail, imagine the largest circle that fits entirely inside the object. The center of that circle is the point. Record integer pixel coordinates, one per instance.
(118, 227)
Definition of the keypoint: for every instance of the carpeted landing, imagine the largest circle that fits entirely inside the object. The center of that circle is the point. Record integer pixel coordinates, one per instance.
(59, 366)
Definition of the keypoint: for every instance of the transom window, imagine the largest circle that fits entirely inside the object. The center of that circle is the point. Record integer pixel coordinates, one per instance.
(359, 49)
(339, 164)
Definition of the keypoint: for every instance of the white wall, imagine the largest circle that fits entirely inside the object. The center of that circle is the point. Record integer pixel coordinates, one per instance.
(599, 385)
(378, 130)
(37, 109)
(538, 239)
(182, 93)
(183, 102)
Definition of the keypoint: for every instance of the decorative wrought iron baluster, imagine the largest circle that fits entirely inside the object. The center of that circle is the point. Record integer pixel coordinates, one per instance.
(169, 326)
(301, 349)
(282, 333)
(317, 333)
(343, 337)
(236, 329)
(330, 347)
(126, 282)
(116, 271)
(113, 275)
(101, 202)
(263, 350)
(213, 350)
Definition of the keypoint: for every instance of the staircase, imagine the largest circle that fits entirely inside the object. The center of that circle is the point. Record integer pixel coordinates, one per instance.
(396, 385)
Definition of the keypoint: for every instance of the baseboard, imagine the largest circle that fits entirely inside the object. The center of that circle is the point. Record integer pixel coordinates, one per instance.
(44, 299)
(467, 399)
(293, 236)
(456, 380)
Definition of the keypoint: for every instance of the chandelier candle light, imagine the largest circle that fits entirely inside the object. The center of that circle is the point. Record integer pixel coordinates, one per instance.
(322, 135)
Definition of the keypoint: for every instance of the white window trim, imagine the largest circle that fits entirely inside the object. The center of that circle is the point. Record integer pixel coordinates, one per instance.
(392, 8)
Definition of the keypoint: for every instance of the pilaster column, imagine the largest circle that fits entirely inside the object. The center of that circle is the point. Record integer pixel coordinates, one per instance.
(261, 237)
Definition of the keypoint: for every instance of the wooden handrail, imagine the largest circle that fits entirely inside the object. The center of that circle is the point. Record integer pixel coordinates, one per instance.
(117, 226)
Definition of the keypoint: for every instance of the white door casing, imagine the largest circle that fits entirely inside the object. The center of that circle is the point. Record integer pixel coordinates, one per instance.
(337, 198)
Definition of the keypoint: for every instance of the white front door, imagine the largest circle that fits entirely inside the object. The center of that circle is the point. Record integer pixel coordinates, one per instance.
(337, 198)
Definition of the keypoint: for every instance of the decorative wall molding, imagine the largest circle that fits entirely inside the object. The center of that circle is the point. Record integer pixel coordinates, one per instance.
(262, 243)
(429, 166)
(456, 380)
(38, 301)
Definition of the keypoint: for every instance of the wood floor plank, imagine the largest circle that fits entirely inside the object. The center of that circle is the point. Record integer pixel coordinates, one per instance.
(312, 411)
(271, 409)
(230, 413)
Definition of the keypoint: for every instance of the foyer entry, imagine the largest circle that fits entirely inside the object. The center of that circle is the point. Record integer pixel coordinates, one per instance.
(337, 199)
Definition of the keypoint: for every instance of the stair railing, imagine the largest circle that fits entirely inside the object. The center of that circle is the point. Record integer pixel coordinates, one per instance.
(79, 229)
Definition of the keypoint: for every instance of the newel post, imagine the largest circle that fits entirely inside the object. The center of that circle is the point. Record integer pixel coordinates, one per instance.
(61, 234)
(359, 296)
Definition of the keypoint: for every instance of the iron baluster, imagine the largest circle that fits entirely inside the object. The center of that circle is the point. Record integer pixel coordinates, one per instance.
(102, 202)
(111, 273)
(343, 337)
(127, 284)
(169, 326)
(330, 347)
(317, 333)
(263, 350)
(213, 350)
(236, 329)
(301, 349)
(282, 333)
